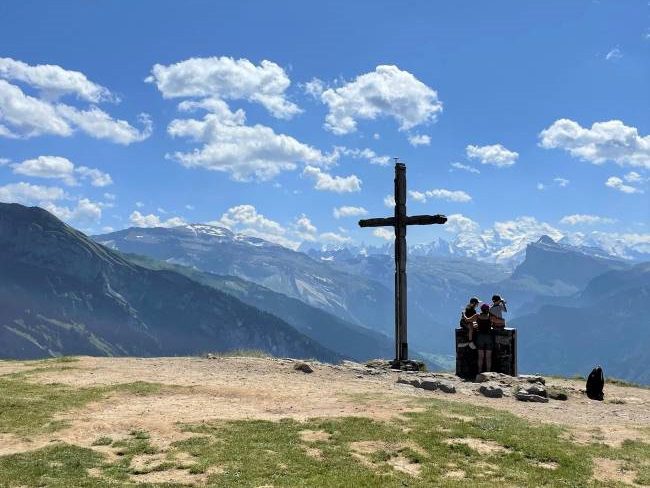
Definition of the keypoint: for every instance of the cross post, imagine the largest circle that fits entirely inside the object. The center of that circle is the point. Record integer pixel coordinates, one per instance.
(399, 222)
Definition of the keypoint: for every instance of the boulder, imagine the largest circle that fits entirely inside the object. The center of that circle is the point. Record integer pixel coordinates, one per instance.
(536, 389)
(531, 378)
(491, 391)
(413, 381)
(446, 386)
(490, 376)
(525, 397)
(429, 384)
(557, 394)
(534, 392)
(408, 365)
(304, 367)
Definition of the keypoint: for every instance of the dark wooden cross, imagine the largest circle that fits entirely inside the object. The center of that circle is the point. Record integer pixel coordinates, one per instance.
(399, 223)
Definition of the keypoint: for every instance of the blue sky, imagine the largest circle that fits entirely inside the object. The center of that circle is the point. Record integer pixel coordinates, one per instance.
(481, 80)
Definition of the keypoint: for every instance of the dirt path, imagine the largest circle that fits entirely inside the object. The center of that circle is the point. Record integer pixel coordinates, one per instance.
(254, 388)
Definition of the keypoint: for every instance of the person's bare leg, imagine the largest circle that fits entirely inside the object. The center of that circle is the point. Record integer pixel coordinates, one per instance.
(481, 356)
(470, 334)
(488, 360)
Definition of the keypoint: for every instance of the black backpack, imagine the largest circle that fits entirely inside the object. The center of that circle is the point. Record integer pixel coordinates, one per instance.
(595, 383)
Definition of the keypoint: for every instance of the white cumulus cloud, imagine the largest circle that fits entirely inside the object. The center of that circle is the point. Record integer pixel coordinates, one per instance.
(29, 194)
(315, 87)
(525, 228)
(634, 177)
(245, 219)
(86, 212)
(24, 116)
(442, 194)
(465, 167)
(347, 211)
(245, 152)
(604, 141)
(385, 92)
(57, 167)
(227, 78)
(47, 167)
(383, 233)
(334, 238)
(457, 223)
(494, 154)
(419, 140)
(96, 177)
(305, 229)
(327, 182)
(54, 81)
(138, 219)
(389, 201)
(367, 153)
(585, 219)
(617, 184)
(98, 124)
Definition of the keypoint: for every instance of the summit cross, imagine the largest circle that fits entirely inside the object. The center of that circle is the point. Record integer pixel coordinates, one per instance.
(399, 223)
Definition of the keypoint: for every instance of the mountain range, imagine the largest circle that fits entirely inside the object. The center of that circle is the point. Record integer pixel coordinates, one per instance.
(604, 324)
(178, 290)
(62, 293)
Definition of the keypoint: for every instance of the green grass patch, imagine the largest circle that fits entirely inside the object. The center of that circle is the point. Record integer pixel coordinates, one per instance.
(60, 466)
(103, 441)
(29, 408)
(496, 448)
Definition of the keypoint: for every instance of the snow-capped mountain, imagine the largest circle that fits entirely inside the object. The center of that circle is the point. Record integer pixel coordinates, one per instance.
(490, 247)
(62, 293)
(218, 250)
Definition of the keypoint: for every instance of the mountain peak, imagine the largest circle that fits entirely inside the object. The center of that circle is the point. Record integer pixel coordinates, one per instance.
(547, 240)
(207, 229)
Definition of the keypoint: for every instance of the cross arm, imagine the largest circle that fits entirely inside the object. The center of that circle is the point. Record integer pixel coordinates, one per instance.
(386, 222)
(425, 219)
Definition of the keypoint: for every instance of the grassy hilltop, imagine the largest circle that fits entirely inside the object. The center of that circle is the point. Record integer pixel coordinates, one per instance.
(254, 422)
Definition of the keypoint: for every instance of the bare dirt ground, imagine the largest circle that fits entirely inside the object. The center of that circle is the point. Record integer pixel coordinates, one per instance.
(258, 388)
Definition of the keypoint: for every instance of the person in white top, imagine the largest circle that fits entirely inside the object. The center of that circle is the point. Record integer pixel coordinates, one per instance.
(496, 311)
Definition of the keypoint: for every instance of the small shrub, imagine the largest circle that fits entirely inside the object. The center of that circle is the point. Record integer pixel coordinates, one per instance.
(103, 441)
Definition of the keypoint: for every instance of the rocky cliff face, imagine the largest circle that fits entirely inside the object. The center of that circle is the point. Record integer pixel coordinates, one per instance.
(604, 324)
(549, 262)
(294, 274)
(62, 293)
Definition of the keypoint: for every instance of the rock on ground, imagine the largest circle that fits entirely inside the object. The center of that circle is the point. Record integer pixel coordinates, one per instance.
(491, 391)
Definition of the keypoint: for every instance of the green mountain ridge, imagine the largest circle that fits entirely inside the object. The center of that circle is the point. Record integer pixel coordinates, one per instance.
(62, 293)
(336, 334)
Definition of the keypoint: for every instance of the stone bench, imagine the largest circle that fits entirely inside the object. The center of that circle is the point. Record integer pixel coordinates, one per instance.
(504, 353)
